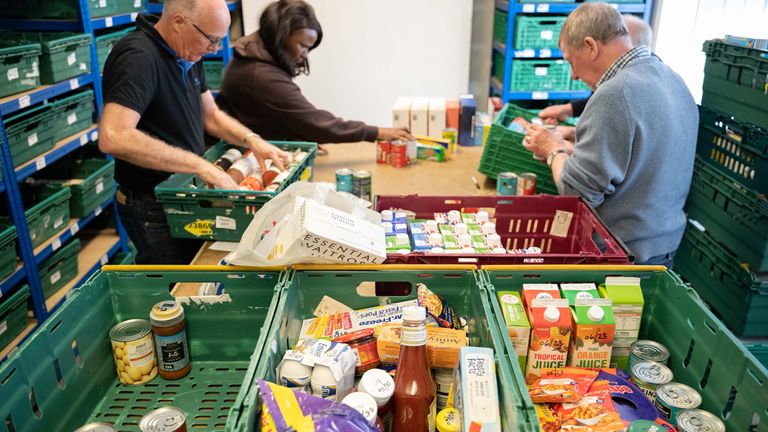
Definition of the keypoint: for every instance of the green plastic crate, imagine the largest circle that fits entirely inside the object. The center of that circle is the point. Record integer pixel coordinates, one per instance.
(54, 9)
(72, 114)
(64, 55)
(737, 148)
(60, 268)
(504, 151)
(498, 66)
(73, 346)
(129, 6)
(7, 251)
(45, 217)
(214, 72)
(124, 258)
(13, 316)
(30, 133)
(193, 211)
(759, 349)
(19, 67)
(91, 180)
(304, 289)
(736, 82)
(703, 353)
(500, 26)
(107, 41)
(538, 31)
(736, 215)
(579, 85)
(738, 296)
(551, 1)
(540, 75)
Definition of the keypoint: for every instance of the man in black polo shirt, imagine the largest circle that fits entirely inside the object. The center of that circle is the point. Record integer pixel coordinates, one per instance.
(157, 108)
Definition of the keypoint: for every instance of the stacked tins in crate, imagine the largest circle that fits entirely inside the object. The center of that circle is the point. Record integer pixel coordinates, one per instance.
(724, 252)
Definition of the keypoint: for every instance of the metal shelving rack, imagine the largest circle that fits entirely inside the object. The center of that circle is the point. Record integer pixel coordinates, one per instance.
(509, 53)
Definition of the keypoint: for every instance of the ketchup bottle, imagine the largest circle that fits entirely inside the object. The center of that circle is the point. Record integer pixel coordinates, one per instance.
(414, 398)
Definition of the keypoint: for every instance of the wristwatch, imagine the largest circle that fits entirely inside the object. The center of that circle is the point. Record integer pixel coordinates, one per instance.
(551, 156)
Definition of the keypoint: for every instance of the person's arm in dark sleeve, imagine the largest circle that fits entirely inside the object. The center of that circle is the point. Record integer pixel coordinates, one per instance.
(578, 106)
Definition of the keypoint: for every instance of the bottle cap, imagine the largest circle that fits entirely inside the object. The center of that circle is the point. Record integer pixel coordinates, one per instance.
(414, 313)
(489, 228)
(364, 404)
(386, 215)
(400, 215)
(551, 314)
(431, 226)
(596, 313)
(379, 384)
(481, 216)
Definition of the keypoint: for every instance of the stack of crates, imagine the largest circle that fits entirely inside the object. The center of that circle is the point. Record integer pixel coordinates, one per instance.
(539, 32)
(64, 55)
(67, 9)
(724, 252)
(214, 72)
(107, 41)
(19, 67)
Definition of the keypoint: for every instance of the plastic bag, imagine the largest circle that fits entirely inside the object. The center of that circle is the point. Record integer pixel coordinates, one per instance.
(594, 412)
(562, 385)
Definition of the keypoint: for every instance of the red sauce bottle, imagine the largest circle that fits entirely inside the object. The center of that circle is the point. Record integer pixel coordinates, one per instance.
(414, 398)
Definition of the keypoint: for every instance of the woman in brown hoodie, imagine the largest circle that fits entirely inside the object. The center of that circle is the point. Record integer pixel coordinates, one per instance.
(258, 87)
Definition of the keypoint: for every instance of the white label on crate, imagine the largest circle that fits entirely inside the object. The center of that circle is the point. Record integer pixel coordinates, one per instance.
(529, 8)
(94, 135)
(546, 34)
(3, 327)
(545, 53)
(226, 223)
(99, 187)
(13, 73)
(32, 139)
(55, 277)
(97, 211)
(24, 101)
(74, 229)
(527, 53)
(74, 83)
(543, 8)
(83, 66)
(108, 22)
(540, 71)
(71, 59)
(58, 222)
(71, 118)
(56, 244)
(40, 163)
(104, 259)
(102, 3)
(136, 3)
(83, 139)
(540, 95)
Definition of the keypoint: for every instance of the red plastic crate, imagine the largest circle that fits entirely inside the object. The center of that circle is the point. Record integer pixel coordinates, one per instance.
(521, 221)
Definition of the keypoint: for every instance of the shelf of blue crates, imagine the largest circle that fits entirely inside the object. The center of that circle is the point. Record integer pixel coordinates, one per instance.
(11, 104)
(528, 53)
(563, 8)
(74, 25)
(60, 149)
(538, 95)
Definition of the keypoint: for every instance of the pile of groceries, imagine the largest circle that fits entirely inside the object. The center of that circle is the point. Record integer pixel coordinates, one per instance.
(405, 366)
(451, 232)
(585, 368)
(246, 171)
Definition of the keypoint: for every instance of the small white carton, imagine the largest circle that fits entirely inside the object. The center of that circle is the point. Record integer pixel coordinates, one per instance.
(401, 113)
(420, 116)
(436, 117)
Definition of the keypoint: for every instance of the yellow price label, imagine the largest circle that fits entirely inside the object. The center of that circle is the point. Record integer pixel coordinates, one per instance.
(200, 227)
(306, 174)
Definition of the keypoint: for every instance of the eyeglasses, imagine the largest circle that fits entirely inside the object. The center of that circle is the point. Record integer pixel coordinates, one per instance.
(214, 41)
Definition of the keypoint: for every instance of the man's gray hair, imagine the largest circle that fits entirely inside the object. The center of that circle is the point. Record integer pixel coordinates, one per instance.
(600, 21)
(639, 31)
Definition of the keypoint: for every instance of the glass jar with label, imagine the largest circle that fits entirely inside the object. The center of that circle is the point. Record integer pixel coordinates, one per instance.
(169, 327)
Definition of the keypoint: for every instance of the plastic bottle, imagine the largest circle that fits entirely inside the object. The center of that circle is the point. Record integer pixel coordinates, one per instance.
(414, 399)
(381, 386)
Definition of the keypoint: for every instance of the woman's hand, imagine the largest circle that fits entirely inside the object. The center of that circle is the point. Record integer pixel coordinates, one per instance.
(392, 134)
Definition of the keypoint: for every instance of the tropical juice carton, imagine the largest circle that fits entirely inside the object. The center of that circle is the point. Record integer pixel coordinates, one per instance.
(627, 298)
(550, 334)
(593, 333)
(517, 323)
(545, 290)
(573, 291)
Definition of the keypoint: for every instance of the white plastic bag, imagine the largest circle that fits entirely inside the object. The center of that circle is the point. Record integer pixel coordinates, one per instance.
(311, 223)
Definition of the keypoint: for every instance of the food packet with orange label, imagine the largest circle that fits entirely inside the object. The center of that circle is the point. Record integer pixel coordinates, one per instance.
(438, 308)
(548, 421)
(595, 412)
(568, 384)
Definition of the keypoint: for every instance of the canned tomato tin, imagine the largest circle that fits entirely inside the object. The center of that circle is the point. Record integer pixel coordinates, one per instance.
(166, 419)
(382, 151)
(96, 427)
(526, 184)
(696, 420)
(649, 376)
(506, 184)
(675, 397)
(361, 185)
(344, 180)
(647, 350)
(398, 154)
(134, 351)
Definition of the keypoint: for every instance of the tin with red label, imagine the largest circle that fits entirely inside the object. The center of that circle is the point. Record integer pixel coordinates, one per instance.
(166, 419)
(364, 344)
(382, 151)
(398, 156)
(526, 184)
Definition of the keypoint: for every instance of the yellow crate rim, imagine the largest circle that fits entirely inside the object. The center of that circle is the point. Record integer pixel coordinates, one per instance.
(401, 267)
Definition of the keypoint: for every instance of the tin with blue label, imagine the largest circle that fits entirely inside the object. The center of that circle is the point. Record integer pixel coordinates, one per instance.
(506, 184)
(344, 180)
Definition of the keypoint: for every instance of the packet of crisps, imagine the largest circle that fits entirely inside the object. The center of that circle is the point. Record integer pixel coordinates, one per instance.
(594, 412)
(568, 384)
(548, 421)
(438, 308)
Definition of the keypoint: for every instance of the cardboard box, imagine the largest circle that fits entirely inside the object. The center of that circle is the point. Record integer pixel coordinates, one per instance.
(542, 290)
(420, 116)
(627, 297)
(467, 110)
(436, 117)
(517, 323)
(445, 143)
(482, 128)
(443, 345)
(475, 391)
(332, 326)
(401, 113)
(431, 152)
(452, 114)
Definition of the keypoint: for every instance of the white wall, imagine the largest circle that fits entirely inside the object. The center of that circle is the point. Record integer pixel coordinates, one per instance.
(682, 26)
(374, 51)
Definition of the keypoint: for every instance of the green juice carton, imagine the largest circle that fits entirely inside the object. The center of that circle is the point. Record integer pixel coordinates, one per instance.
(573, 291)
(593, 334)
(627, 298)
(518, 327)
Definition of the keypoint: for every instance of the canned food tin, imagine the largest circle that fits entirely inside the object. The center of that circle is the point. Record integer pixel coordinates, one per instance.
(398, 154)
(382, 151)
(673, 398)
(344, 180)
(647, 350)
(96, 427)
(649, 375)
(134, 351)
(361, 185)
(506, 184)
(697, 420)
(166, 419)
(526, 184)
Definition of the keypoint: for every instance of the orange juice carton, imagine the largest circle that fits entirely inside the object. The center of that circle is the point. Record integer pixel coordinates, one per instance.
(545, 290)
(573, 291)
(550, 335)
(593, 333)
(627, 298)
(517, 323)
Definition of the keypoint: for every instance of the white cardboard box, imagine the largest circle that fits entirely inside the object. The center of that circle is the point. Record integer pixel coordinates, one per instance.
(420, 116)
(401, 113)
(436, 117)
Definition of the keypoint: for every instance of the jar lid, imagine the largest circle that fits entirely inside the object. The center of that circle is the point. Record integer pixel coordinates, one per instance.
(166, 313)
(364, 404)
(378, 384)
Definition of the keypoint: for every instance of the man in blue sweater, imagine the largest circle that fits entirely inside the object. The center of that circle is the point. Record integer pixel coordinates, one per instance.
(635, 142)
